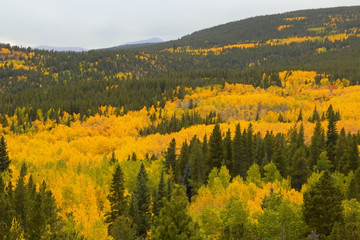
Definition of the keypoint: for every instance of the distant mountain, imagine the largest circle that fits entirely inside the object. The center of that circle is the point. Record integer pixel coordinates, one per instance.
(151, 40)
(137, 44)
(61, 49)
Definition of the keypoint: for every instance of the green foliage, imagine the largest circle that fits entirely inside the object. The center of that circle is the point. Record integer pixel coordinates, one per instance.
(118, 202)
(322, 206)
(170, 157)
(271, 173)
(140, 204)
(123, 228)
(253, 175)
(216, 152)
(236, 223)
(173, 221)
(4, 157)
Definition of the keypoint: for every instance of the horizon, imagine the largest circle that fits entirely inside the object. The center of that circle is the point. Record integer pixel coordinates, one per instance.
(97, 29)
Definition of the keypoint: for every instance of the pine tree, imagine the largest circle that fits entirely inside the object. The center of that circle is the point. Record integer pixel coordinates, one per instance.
(322, 205)
(315, 116)
(300, 169)
(4, 157)
(21, 199)
(6, 212)
(123, 229)
(197, 163)
(332, 135)
(173, 222)
(317, 144)
(340, 149)
(160, 195)
(181, 163)
(353, 152)
(300, 117)
(228, 150)
(37, 222)
(170, 156)
(278, 157)
(50, 209)
(215, 158)
(118, 202)
(142, 203)
(353, 190)
(237, 154)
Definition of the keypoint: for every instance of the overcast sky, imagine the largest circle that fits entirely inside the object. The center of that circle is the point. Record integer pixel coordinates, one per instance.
(97, 24)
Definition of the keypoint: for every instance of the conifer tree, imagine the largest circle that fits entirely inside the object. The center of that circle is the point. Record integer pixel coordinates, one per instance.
(50, 209)
(181, 163)
(237, 155)
(228, 149)
(279, 157)
(340, 149)
(317, 144)
(174, 222)
(315, 116)
(300, 169)
(118, 202)
(37, 224)
(215, 158)
(123, 228)
(170, 156)
(300, 117)
(353, 190)
(21, 199)
(322, 206)
(142, 203)
(160, 195)
(332, 135)
(197, 163)
(4, 157)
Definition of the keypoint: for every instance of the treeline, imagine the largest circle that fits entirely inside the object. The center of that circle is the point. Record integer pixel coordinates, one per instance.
(175, 124)
(331, 151)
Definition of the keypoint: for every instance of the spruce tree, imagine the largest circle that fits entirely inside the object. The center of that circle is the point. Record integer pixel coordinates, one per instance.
(332, 135)
(170, 156)
(300, 117)
(300, 169)
(237, 154)
(160, 195)
(228, 150)
(197, 163)
(353, 190)
(50, 209)
(279, 157)
(181, 162)
(317, 144)
(4, 157)
(173, 222)
(118, 202)
(341, 147)
(215, 157)
(123, 228)
(322, 206)
(37, 224)
(142, 203)
(21, 199)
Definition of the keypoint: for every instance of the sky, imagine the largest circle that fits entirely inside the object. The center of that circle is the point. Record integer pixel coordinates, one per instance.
(98, 24)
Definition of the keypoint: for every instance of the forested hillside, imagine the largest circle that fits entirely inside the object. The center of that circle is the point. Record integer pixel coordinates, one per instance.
(248, 130)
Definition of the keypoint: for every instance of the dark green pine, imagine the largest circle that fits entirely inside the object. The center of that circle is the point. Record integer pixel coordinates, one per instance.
(322, 206)
(174, 222)
(4, 157)
(118, 202)
(170, 156)
(216, 154)
(142, 203)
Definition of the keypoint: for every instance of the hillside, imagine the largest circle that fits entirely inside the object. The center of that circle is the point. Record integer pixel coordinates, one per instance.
(248, 130)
